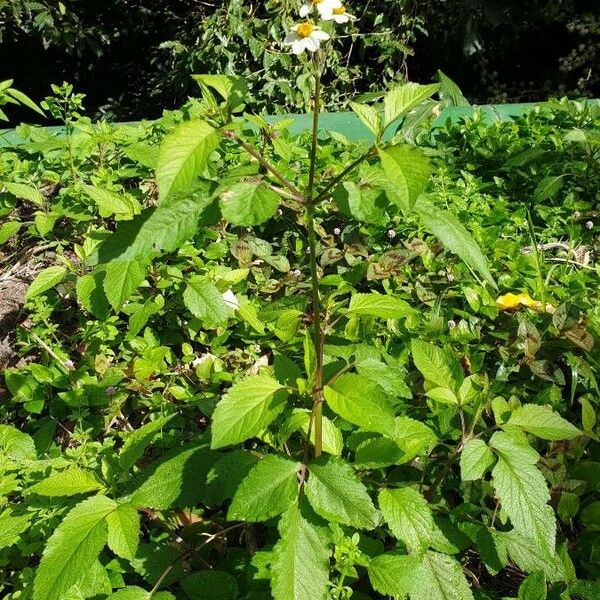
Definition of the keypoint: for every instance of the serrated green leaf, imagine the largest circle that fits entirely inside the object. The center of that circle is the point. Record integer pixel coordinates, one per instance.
(408, 171)
(363, 202)
(7, 230)
(529, 555)
(70, 482)
(122, 278)
(248, 203)
(475, 459)
(332, 442)
(45, 280)
(543, 422)
(361, 402)
(453, 235)
(226, 475)
(533, 587)
(124, 531)
(440, 578)
(393, 574)
(205, 302)
(369, 115)
(137, 441)
(522, 490)
(335, 493)
(401, 99)
(158, 229)
(437, 365)
(300, 567)
(378, 305)
(183, 156)
(111, 203)
(246, 409)
(409, 517)
(91, 296)
(11, 527)
(16, 444)
(177, 480)
(24, 191)
(548, 187)
(133, 592)
(268, 490)
(72, 548)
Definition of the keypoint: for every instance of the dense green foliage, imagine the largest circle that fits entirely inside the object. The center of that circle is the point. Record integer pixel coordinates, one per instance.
(133, 58)
(158, 439)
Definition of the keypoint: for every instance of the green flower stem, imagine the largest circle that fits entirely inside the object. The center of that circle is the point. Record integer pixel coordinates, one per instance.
(317, 392)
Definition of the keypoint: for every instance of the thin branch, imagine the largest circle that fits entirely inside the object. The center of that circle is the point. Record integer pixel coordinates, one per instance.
(297, 194)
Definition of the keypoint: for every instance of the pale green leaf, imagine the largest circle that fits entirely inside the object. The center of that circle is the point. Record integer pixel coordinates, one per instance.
(408, 171)
(475, 459)
(133, 592)
(522, 490)
(249, 203)
(205, 301)
(268, 490)
(137, 441)
(440, 578)
(24, 191)
(158, 229)
(111, 203)
(91, 296)
(122, 278)
(454, 236)
(72, 548)
(16, 444)
(300, 567)
(393, 574)
(362, 402)
(45, 280)
(543, 422)
(363, 202)
(70, 482)
(183, 156)
(11, 527)
(369, 115)
(336, 494)
(332, 440)
(437, 365)
(124, 531)
(7, 230)
(401, 99)
(379, 305)
(409, 517)
(246, 410)
(529, 555)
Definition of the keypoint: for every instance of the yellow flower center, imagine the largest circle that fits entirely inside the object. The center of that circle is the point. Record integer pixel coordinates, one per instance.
(305, 29)
(339, 11)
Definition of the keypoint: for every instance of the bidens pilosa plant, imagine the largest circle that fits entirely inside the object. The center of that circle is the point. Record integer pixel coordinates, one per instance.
(341, 474)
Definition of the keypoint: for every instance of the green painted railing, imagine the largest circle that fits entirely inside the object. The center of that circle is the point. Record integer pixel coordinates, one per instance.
(348, 124)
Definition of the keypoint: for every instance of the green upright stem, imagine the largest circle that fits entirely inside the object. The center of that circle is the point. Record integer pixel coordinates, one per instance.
(317, 394)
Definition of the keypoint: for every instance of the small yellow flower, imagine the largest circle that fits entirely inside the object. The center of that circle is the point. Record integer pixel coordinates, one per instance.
(514, 302)
(305, 36)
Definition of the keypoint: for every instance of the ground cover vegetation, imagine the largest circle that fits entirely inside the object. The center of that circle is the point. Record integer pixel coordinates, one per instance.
(242, 363)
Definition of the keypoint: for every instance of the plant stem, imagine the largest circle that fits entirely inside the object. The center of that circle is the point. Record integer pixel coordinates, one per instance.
(298, 195)
(331, 185)
(317, 394)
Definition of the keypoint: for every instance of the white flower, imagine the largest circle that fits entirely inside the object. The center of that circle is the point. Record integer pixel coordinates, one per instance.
(230, 299)
(323, 6)
(305, 36)
(338, 14)
(589, 224)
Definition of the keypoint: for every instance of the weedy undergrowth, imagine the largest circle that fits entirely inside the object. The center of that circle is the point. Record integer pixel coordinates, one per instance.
(341, 474)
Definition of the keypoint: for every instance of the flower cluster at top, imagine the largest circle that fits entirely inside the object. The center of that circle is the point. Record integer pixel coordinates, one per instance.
(308, 36)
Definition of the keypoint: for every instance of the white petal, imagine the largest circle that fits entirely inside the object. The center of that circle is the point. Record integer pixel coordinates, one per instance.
(312, 43)
(305, 10)
(230, 299)
(319, 34)
(341, 18)
(290, 38)
(299, 45)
